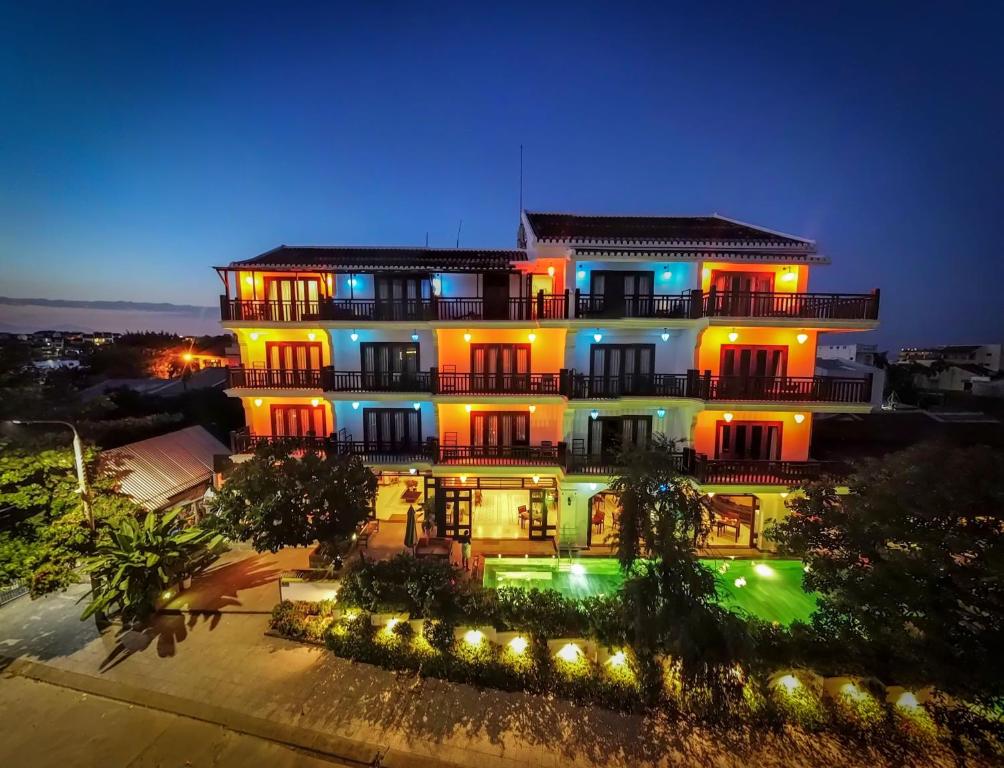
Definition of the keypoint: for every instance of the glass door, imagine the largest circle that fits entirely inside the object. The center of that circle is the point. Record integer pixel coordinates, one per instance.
(543, 513)
(456, 510)
(748, 440)
(389, 365)
(621, 369)
(399, 297)
(500, 367)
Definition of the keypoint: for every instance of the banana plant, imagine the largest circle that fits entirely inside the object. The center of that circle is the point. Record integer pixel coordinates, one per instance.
(142, 559)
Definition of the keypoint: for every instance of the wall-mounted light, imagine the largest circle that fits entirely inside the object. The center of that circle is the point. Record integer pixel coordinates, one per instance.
(437, 286)
(412, 471)
(789, 275)
(352, 282)
(532, 337)
(467, 336)
(315, 402)
(463, 478)
(706, 273)
(536, 479)
(257, 402)
(665, 334)
(311, 336)
(414, 335)
(660, 412)
(733, 335)
(783, 494)
(802, 337)
(249, 280)
(467, 408)
(355, 405)
(416, 406)
(666, 274)
(532, 408)
(594, 414)
(597, 337)
(799, 418)
(592, 486)
(550, 271)
(727, 417)
(253, 336)
(581, 274)
(711, 494)
(354, 336)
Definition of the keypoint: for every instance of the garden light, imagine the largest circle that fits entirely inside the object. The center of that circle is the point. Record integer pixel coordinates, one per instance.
(907, 700)
(474, 637)
(578, 569)
(617, 660)
(570, 653)
(350, 615)
(852, 692)
(789, 683)
(740, 582)
(355, 536)
(765, 571)
(518, 644)
(389, 627)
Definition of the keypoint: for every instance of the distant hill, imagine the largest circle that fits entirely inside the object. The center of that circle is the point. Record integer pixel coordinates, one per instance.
(28, 315)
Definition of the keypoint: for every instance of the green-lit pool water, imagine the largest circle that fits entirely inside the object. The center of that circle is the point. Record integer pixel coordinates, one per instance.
(769, 589)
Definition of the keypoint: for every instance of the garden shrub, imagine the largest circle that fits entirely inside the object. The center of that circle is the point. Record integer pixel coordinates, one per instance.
(426, 588)
(301, 620)
(797, 702)
(857, 710)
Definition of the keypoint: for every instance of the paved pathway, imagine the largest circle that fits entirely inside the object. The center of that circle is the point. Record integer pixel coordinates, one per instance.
(222, 660)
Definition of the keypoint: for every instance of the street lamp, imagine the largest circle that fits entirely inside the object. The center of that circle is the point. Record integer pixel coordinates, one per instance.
(78, 458)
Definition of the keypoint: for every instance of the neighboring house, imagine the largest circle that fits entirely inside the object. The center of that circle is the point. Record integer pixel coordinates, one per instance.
(501, 386)
(865, 354)
(843, 369)
(985, 355)
(169, 471)
(207, 378)
(950, 377)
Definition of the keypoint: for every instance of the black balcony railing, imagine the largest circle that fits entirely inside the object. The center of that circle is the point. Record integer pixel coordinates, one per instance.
(629, 385)
(247, 442)
(498, 383)
(668, 306)
(377, 381)
(540, 307)
(813, 306)
(582, 462)
(815, 389)
(503, 455)
(275, 378)
(758, 471)
(381, 452)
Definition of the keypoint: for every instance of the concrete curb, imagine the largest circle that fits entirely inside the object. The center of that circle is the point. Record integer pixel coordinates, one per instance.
(350, 751)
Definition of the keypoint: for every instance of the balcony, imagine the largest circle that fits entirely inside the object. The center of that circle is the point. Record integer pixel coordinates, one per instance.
(668, 306)
(540, 307)
(274, 378)
(781, 389)
(499, 383)
(811, 306)
(329, 380)
(757, 471)
(605, 463)
(543, 455)
(370, 452)
(629, 385)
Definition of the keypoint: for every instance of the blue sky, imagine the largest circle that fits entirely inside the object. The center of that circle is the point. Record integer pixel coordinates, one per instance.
(142, 143)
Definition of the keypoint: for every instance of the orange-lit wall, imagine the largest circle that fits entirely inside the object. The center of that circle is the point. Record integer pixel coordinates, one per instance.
(259, 418)
(245, 290)
(801, 357)
(253, 350)
(540, 266)
(545, 423)
(547, 353)
(799, 285)
(794, 437)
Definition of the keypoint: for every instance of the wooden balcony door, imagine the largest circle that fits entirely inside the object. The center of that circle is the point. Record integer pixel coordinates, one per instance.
(748, 440)
(751, 372)
(293, 355)
(625, 293)
(399, 297)
(293, 298)
(734, 291)
(500, 367)
(390, 429)
(496, 429)
(610, 436)
(621, 369)
(298, 421)
(543, 517)
(389, 364)
(496, 295)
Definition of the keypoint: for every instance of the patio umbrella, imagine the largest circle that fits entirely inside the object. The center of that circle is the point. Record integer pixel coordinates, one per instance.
(410, 534)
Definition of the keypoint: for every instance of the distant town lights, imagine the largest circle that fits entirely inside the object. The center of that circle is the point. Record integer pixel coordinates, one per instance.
(802, 337)
(799, 418)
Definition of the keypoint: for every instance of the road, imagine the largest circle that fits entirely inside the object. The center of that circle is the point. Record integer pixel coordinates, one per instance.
(49, 726)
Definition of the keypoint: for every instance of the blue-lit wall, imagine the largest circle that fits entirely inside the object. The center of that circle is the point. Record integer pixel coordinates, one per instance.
(674, 424)
(673, 356)
(347, 356)
(668, 277)
(351, 419)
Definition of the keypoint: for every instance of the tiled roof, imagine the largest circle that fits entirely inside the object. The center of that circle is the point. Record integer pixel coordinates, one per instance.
(575, 228)
(367, 257)
(155, 470)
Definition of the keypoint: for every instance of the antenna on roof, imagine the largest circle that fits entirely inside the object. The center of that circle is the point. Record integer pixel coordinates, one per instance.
(461, 224)
(520, 179)
(426, 239)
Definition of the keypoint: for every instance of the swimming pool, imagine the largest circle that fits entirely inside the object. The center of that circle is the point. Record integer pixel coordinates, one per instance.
(769, 589)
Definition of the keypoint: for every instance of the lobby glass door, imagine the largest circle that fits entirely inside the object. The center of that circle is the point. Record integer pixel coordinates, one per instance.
(543, 513)
(455, 504)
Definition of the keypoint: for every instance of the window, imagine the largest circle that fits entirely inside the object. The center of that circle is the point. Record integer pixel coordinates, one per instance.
(293, 355)
(500, 428)
(754, 361)
(298, 421)
(742, 282)
(388, 363)
(500, 367)
(399, 297)
(754, 440)
(621, 369)
(627, 294)
(294, 298)
(388, 428)
(611, 435)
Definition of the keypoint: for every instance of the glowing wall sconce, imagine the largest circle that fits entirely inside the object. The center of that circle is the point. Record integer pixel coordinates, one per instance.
(706, 273)
(253, 336)
(414, 335)
(412, 471)
(666, 274)
(311, 336)
(799, 418)
(711, 494)
(581, 274)
(354, 336)
(592, 486)
(789, 275)
(802, 337)
(783, 494)
(315, 402)
(463, 478)
(727, 417)
(437, 285)
(417, 406)
(249, 280)
(550, 271)
(733, 335)
(532, 408)
(594, 414)
(355, 405)
(467, 336)
(665, 334)
(536, 479)
(257, 402)
(660, 412)
(597, 337)
(467, 408)
(532, 337)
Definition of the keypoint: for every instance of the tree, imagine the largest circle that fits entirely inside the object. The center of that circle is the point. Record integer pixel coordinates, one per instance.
(138, 561)
(44, 532)
(277, 500)
(910, 564)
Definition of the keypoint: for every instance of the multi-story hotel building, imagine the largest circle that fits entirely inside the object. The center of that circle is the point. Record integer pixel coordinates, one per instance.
(500, 385)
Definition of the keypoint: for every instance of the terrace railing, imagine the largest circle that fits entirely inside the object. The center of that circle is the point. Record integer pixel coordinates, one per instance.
(377, 381)
(275, 378)
(629, 385)
(757, 471)
(498, 383)
(543, 306)
(503, 455)
(816, 389)
(814, 306)
(667, 306)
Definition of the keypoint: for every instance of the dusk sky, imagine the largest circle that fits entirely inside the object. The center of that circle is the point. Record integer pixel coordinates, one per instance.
(140, 143)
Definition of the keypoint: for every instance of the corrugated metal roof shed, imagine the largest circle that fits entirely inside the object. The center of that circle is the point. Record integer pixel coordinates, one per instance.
(155, 470)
